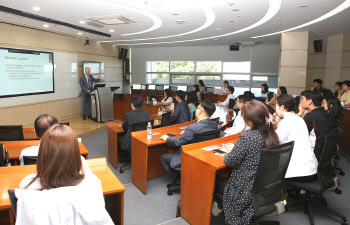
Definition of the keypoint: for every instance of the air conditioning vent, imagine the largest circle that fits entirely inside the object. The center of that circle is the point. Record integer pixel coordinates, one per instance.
(94, 24)
(111, 20)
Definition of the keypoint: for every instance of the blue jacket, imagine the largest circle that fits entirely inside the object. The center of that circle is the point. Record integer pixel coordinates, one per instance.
(181, 113)
(84, 84)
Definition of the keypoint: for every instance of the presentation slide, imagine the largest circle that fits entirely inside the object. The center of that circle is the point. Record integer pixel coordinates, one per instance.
(25, 72)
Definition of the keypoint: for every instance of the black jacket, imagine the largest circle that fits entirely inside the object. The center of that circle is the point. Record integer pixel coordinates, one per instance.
(181, 113)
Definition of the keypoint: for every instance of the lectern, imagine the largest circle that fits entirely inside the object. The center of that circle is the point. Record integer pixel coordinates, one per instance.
(102, 103)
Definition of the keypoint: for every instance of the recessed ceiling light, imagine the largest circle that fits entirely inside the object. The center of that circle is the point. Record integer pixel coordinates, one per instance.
(82, 21)
(303, 6)
(111, 31)
(35, 8)
(231, 21)
(174, 14)
(180, 21)
(45, 25)
(80, 33)
(218, 28)
(231, 3)
(235, 10)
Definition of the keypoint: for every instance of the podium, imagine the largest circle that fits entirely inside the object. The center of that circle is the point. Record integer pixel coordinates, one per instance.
(102, 104)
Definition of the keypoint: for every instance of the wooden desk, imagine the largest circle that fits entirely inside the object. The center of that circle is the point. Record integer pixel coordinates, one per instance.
(113, 190)
(15, 148)
(198, 174)
(29, 134)
(145, 153)
(215, 97)
(345, 126)
(115, 130)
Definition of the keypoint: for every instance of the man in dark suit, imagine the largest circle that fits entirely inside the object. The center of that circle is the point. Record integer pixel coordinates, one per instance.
(182, 112)
(172, 162)
(87, 84)
(136, 115)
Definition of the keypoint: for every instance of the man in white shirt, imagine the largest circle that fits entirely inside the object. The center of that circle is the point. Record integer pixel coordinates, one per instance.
(229, 93)
(238, 124)
(303, 163)
(224, 89)
(41, 124)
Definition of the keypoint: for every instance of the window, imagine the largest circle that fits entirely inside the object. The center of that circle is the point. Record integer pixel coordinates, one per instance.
(182, 66)
(209, 66)
(182, 79)
(157, 66)
(271, 81)
(210, 80)
(157, 78)
(237, 80)
(236, 67)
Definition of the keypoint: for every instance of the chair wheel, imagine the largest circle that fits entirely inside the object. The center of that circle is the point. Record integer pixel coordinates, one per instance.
(338, 191)
(121, 170)
(344, 222)
(170, 193)
(341, 173)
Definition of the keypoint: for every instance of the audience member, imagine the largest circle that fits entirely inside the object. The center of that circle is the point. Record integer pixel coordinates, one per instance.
(244, 161)
(345, 93)
(201, 86)
(41, 124)
(337, 88)
(281, 90)
(191, 101)
(167, 99)
(72, 192)
(198, 93)
(326, 93)
(203, 113)
(316, 120)
(249, 94)
(238, 124)
(194, 94)
(224, 88)
(264, 90)
(181, 113)
(335, 112)
(229, 92)
(317, 85)
(290, 127)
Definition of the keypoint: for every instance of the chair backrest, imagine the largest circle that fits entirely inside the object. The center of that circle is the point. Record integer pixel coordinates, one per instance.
(140, 125)
(194, 115)
(205, 136)
(269, 96)
(231, 103)
(67, 124)
(136, 91)
(202, 97)
(269, 187)
(118, 97)
(2, 158)
(217, 119)
(29, 160)
(324, 170)
(13, 200)
(152, 92)
(166, 119)
(332, 125)
(11, 133)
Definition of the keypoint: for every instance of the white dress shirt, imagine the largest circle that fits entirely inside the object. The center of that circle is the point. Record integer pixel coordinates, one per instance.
(224, 89)
(30, 151)
(80, 204)
(227, 100)
(169, 100)
(303, 161)
(238, 126)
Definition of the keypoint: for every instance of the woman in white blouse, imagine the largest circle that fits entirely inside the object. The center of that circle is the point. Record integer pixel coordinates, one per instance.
(64, 190)
(167, 99)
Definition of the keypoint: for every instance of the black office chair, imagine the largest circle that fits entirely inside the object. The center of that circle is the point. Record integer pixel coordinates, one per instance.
(134, 127)
(331, 126)
(325, 179)
(2, 158)
(217, 120)
(135, 91)
(11, 133)
(166, 119)
(197, 137)
(118, 97)
(13, 200)
(269, 96)
(194, 115)
(29, 160)
(67, 124)
(231, 103)
(202, 97)
(269, 190)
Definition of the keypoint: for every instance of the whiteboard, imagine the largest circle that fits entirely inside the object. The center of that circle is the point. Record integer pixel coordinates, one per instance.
(65, 82)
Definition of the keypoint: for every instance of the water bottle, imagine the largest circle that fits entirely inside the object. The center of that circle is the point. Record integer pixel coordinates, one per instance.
(266, 101)
(149, 131)
(159, 113)
(147, 99)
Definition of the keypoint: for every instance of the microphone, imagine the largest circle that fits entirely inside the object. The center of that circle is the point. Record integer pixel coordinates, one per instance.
(7, 158)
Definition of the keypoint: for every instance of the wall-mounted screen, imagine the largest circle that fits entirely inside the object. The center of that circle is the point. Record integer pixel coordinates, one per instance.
(97, 69)
(25, 72)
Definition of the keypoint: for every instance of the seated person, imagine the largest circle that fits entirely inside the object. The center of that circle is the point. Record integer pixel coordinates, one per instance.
(317, 85)
(167, 100)
(224, 88)
(203, 113)
(202, 87)
(249, 94)
(181, 112)
(264, 90)
(229, 93)
(281, 90)
(192, 103)
(136, 115)
(41, 124)
(316, 120)
(338, 86)
(344, 94)
(290, 127)
(244, 160)
(64, 190)
(197, 91)
(238, 124)
(335, 112)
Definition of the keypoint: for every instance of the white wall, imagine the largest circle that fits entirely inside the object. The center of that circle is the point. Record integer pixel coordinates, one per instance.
(264, 58)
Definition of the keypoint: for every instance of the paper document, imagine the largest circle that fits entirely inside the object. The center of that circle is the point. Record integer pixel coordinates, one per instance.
(155, 133)
(211, 148)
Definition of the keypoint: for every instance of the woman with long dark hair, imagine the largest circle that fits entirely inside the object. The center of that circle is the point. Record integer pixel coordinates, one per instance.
(64, 187)
(201, 86)
(190, 99)
(281, 90)
(264, 90)
(244, 160)
(167, 99)
(198, 93)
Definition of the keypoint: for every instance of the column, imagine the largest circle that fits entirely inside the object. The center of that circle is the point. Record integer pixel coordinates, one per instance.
(334, 59)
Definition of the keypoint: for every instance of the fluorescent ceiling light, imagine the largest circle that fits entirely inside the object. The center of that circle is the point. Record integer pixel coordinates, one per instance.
(335, 11)
(80, 33)
(111, 31)
(45, 25)
(209, 13)
(35, 8)
(82, 21)
(272, 11)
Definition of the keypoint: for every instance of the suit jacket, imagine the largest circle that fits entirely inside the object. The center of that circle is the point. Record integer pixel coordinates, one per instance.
(84, 85)
(181, 113)
(187, 138)
(138, 115)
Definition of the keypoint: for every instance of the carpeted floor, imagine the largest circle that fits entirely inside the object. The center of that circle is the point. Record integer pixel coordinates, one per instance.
(156, 207)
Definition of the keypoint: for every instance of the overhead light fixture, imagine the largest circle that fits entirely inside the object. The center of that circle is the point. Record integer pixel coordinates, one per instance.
(231, 21)
(80, 33)
(35, 8)
(231, 3)
(218, 28)
(174, 14)
(235, 10)
(82, 21)
(335, 11)
(111, 31)
(45, 25)
(303, 6)
(180, 21)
